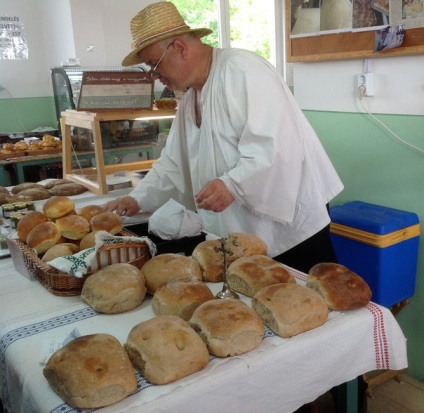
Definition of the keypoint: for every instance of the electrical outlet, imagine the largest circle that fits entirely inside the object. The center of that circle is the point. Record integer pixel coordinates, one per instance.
(366, 80)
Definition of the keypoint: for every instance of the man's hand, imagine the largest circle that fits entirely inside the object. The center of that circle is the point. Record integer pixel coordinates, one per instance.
(214, 196)
(126, 205)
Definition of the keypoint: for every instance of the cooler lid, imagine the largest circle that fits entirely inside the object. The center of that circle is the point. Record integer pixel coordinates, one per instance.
(372, 218)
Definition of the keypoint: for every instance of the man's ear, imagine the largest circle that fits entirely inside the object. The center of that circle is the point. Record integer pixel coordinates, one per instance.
(180, 46)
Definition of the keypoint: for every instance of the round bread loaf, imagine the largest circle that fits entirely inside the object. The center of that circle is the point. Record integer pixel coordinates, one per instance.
(68, 189)
(91, 371)
(58, 207)
(290, 309)
(228, 327)
(73, 226)
(164, 267)
(248, 275)
(26, 185)
(88, 241)
(89, 211)
(250, 244)
(341, 288)
(114, 289)
(43, 236)
(209, 257)
(60, 250)
(165, 349)
(180, 296)
(107, 221)
(28, 222)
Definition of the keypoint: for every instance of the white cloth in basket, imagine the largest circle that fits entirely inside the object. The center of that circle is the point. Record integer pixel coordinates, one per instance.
(80, 263)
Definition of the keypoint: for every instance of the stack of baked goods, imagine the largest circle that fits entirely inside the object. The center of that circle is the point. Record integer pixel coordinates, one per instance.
(166, 103)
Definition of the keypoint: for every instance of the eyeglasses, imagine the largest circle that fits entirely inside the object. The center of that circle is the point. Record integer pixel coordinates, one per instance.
(153, 72)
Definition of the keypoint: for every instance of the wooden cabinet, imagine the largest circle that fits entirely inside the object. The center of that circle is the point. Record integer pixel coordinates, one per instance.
(95, 178)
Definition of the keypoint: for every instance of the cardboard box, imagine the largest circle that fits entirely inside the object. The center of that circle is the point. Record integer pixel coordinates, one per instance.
(381, 245)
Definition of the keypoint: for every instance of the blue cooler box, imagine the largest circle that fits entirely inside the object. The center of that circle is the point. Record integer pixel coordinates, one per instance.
(381, 245)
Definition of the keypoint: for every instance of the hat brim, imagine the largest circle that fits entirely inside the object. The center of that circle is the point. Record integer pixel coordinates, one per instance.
(133, 57)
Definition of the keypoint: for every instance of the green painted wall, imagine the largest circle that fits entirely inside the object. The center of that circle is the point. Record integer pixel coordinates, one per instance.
(26, 114)
(376, 168)
(373, 165)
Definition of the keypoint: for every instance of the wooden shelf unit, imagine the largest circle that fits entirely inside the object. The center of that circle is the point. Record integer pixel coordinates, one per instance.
(91, 121)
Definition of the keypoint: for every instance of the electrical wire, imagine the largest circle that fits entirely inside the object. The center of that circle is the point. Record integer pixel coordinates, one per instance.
(361, 93)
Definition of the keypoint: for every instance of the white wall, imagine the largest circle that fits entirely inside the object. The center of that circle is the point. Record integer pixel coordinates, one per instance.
(331, 86)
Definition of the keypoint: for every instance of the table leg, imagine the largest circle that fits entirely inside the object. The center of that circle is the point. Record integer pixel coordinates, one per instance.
(2, 176)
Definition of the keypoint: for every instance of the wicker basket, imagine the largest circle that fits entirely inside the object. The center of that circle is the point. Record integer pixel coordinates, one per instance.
(62, 284)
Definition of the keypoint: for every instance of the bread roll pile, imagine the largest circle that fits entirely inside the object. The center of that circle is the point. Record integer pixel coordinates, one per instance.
(59, 224)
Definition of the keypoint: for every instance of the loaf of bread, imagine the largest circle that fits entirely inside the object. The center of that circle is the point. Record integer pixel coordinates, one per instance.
(228, 327)
(341, 288)
(180, 296)
(209, 257)
(43, 236)
(164, 267)
(60, 250)
(88, 241)
(73, 226)
(58, 206)
(89, 211)
(26, 185)
(250, 244)
(114, 289)
(68, 189)
(55, 182)
(30, 220)
(107, 221)
(91, 371)
(290, 309)
(248, 275)
(35, 194)
(165, 349)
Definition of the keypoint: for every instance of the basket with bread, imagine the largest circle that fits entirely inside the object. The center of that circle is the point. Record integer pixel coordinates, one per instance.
(60, 232)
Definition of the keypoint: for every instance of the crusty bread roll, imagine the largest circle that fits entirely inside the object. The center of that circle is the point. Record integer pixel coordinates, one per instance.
(26, 185)
(107, 221)
(210, 258)
(73, 226)
(35, 194)
(91, 371)
(60, 250)
(341, 288)
(30, 220)
(248, 275)
(89, 211)
(114, 289)
(250, 244)
(165, 349)
(43, 236)
(58, 206)
(228, 327)
(68, 189)
(180, 296)
(88, 241)
(290, 309)
(164, 267)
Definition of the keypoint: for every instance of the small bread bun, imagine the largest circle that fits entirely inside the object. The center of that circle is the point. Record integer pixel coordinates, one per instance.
(180, 296)
(43, 236)
(228, 327)
(209, 257)
(107, 221)
(164, 267)
(60, 250)
(250, 244)
(8, 147)
(73, 227)
(28, 222)
(248, 275)
(58, 207)
(21, 146)
(88, 241)
(341, 288)
(164, 349)
(114, 289)
(89, 211)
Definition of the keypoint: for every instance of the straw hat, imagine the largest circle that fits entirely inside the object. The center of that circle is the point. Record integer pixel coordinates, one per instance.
(156, 22)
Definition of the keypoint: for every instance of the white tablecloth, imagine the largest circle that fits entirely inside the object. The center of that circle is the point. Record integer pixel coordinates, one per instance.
(279, 376)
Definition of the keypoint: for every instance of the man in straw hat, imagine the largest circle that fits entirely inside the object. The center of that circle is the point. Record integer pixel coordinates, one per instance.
(240, 152)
